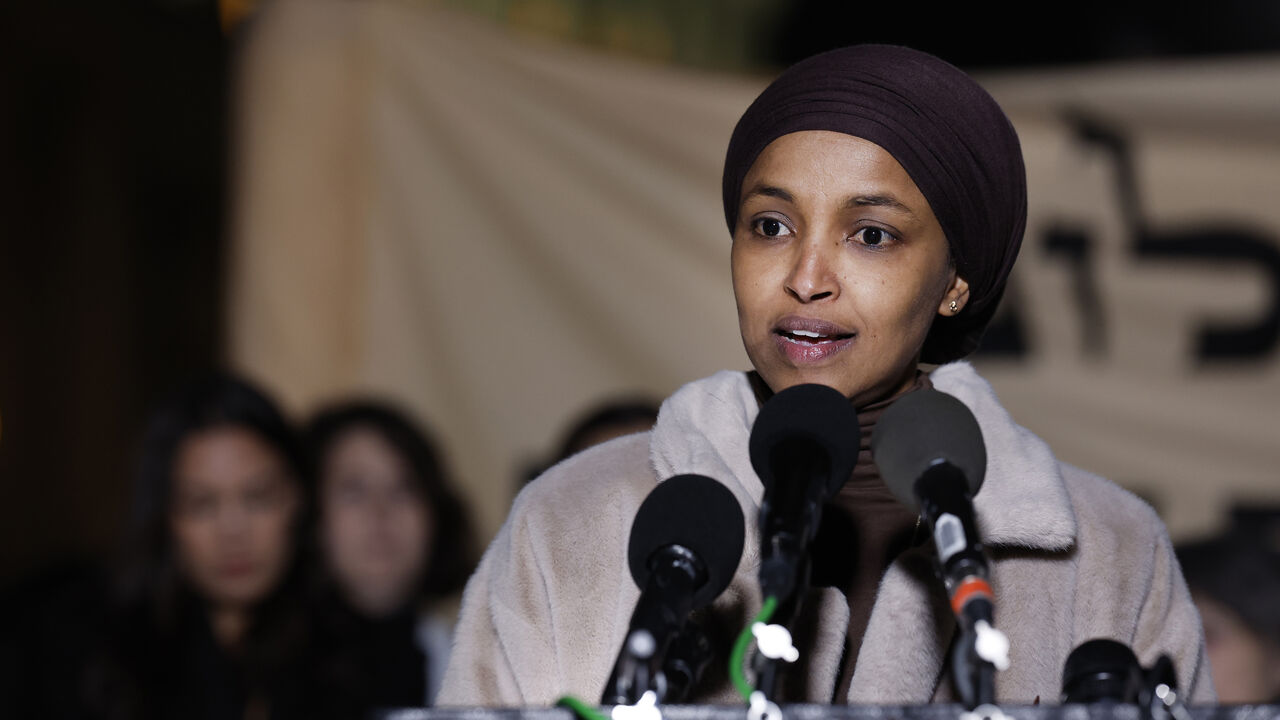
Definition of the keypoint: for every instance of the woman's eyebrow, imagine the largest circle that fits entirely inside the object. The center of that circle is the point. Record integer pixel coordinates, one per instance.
(769, 191)
(878, 201)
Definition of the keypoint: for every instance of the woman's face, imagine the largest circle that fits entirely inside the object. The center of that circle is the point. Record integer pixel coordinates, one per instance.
(232, 515)
(839, 266)
(375, 529)
(1246, 669)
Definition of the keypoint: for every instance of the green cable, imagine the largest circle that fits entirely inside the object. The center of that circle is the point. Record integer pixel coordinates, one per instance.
(736, 671)
(580, 708)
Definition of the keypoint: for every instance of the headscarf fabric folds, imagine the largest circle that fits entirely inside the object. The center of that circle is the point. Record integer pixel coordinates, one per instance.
(946, 131)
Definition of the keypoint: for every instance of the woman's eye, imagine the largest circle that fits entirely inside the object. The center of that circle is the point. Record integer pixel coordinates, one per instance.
(351, 494)
(875, 236)
(771, 227)
(261, 499)
(350, 490)
(197, 506)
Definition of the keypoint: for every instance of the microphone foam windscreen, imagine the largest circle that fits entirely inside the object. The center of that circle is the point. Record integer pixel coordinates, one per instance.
(918, 430)
(815, 417)
(699, 514)
(1100, 669)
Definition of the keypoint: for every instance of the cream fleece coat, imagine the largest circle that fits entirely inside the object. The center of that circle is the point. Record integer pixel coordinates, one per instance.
(1074, 557)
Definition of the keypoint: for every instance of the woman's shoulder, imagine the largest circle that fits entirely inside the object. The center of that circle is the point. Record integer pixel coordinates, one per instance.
(601, 469)
(1023, 463)
(695, 421)
(607, 481)
(1109, 512)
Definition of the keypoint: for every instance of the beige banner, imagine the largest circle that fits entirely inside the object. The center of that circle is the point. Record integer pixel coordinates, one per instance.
(499, 231)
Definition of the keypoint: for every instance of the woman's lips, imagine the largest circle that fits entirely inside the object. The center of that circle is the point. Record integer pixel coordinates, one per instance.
(809, 340)
(236, 569)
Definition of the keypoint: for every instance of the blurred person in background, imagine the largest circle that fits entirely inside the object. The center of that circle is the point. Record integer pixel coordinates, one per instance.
(605, 421)
(207, 610)
(1235, 583)
(394, 540)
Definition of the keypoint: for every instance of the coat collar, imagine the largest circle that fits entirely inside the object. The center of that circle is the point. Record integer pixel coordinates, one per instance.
(1023, 502)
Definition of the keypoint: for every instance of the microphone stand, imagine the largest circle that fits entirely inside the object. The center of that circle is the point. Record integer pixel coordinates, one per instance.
(654, 624)
(961, 563)
(785, 576)
(974, 675)
(769, 666)
(687, 659)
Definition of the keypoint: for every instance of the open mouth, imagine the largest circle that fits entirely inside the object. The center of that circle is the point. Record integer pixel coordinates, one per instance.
(805, 340)
(812, 337)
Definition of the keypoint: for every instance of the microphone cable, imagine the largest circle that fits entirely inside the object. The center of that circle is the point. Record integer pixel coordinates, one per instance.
(737, 658)
(580, 708)
(737, 671)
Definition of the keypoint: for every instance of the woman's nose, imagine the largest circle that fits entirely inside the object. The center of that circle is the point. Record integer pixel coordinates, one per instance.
(232, 520)
(812, 276)
(382, 508)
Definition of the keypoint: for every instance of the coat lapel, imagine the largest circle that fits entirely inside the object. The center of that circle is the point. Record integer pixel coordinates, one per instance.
(1022, 503)
(905, 643)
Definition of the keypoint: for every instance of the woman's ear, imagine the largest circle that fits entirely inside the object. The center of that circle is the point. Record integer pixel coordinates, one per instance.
(954, 300)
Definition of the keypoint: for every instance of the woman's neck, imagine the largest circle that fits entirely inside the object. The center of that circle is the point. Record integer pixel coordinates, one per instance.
(228, 625)
(912, 379)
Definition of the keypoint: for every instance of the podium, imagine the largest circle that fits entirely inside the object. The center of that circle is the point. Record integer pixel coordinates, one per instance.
(1099, 711)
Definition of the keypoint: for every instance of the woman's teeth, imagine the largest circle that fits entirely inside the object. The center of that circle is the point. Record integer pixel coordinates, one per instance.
(806, 336)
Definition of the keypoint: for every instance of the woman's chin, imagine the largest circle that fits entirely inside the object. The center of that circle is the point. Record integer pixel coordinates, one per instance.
(860, 389)
(779, 379)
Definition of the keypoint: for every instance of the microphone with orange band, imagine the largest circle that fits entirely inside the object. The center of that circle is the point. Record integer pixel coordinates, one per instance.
(929, 450)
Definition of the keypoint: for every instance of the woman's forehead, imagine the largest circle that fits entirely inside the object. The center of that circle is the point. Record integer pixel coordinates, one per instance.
(843, 171)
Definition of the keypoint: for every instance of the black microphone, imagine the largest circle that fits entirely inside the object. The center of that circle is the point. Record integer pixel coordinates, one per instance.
(929, 450)
(930, 453)
(686, 542)
(804, 446)
(1101, 670)
(1105, 670)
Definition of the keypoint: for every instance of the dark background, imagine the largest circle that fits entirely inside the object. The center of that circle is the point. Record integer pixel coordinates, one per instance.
(113, 192)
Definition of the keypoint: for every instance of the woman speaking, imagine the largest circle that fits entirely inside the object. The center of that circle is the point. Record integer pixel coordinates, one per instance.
(876, 200)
